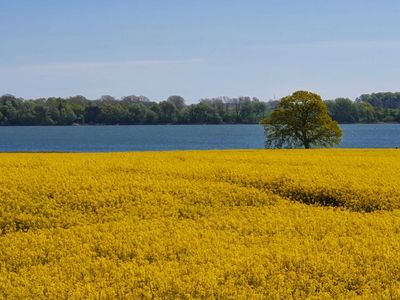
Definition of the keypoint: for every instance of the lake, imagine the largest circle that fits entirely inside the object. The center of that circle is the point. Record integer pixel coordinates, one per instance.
(172, 137)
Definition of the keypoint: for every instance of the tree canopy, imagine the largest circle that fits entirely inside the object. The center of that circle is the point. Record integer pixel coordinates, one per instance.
(129, 110)
(132, 109)
(301, 120)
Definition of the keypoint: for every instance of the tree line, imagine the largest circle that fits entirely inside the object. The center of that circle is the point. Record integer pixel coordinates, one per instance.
(368, 108)
(129, 110)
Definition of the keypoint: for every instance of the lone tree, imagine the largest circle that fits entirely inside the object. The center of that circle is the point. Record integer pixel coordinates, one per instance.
(301, 120)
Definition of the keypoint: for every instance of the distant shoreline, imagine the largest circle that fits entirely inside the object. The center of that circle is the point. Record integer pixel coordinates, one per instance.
(171, 124)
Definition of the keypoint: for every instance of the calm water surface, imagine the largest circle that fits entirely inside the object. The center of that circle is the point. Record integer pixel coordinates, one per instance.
(172, 137)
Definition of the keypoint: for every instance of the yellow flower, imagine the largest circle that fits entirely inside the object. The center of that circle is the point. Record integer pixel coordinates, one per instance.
(200, 224)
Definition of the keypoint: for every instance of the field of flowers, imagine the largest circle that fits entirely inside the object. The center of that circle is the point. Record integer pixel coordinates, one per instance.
(248, 224)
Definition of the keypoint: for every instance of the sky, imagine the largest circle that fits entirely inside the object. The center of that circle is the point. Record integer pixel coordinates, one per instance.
(199, 48)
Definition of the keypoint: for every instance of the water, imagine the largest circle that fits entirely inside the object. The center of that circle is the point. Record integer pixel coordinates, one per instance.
(171, 137)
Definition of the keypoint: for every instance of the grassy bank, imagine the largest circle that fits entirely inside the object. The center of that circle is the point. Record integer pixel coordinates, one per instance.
(198, 224)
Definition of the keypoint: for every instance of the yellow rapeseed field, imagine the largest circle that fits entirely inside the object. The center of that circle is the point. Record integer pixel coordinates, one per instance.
(238, 224)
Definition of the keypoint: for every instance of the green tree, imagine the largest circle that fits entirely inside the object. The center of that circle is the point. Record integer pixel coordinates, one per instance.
(168, 112)
(92, 114)
(178, 101)
(219, 105)
(9, 107)
(113, 114)
(259, 108)
(202, 113)
(150, 116)
(301, 120)
(342, 110)
(136, 113)
(246, 111)
(366, 112)
(26, 114)
(67, 115)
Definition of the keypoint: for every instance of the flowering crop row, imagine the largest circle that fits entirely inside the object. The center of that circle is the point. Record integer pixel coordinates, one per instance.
(200, 224)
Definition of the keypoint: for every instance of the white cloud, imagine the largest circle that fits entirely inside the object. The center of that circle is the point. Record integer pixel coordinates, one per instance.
(95, 65)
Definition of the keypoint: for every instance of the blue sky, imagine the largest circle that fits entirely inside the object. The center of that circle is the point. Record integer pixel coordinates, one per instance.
(199, 48)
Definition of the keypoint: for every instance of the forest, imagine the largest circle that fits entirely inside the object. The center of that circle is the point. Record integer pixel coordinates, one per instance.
(368, 108)
(131, 110)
